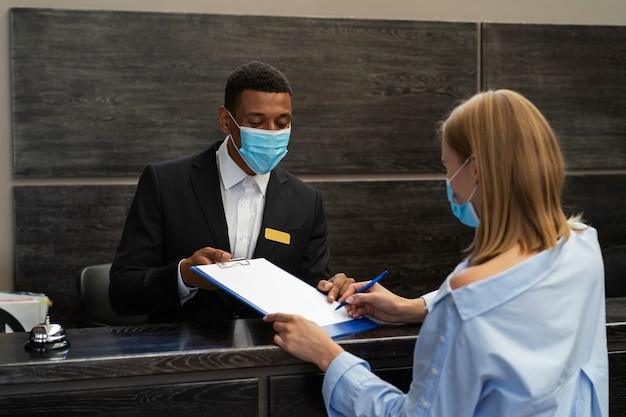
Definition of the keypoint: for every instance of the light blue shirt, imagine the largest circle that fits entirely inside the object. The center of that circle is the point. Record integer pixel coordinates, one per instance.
(530, 341)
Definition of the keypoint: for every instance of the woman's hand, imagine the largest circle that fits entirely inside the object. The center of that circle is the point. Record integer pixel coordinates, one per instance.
(382, 304)
(304, 339)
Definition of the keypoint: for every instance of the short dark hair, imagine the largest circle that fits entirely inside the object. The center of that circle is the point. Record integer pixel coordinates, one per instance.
(257, 76)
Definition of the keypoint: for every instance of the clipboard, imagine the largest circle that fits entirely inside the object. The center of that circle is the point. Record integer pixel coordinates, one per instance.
(269, 289)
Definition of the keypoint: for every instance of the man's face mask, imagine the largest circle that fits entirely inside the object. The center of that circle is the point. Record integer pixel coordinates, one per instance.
(262, 149)
(464, 212)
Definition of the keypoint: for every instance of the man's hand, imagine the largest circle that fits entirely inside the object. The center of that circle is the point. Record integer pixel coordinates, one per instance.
(336, 286)
(204, 256)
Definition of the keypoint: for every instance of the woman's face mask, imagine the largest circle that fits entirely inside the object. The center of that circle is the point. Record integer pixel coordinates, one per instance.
(464, 212)
(262, 149)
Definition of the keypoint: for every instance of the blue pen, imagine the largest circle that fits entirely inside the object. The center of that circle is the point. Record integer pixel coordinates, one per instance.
(366, 286)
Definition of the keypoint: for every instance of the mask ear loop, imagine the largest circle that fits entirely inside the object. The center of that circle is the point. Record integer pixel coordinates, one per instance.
(232, 140)
(469, 199)
(230, 136)
(475, 187)
(449, 181)
(233, 119)
(458, 170)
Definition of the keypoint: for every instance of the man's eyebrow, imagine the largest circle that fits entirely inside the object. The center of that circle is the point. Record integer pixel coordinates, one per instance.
(254, 113)
(259, 114)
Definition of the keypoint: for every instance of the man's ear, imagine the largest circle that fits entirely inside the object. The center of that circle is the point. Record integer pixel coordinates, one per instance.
(224, 119)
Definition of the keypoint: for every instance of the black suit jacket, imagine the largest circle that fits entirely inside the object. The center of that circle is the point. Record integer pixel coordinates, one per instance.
(178, 209)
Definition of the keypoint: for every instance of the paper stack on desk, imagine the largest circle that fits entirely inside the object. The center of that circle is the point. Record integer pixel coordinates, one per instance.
(270, 289)
(21, 311)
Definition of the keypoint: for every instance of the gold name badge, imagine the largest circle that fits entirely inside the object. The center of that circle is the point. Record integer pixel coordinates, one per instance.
(277, 236)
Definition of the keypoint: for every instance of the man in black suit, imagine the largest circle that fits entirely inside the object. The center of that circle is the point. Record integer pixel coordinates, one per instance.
(228, 201)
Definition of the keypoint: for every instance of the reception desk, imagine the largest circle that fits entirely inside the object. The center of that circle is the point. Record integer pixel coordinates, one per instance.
(210, 369)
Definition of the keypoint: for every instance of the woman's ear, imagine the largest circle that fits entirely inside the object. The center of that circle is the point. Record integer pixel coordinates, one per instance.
(474, 168)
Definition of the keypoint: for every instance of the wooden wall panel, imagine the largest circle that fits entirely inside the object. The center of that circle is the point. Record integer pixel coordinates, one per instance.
(102, 93)
(403, 226)
(406, 227)
(61, 229)
(576, 75)
(600, 199)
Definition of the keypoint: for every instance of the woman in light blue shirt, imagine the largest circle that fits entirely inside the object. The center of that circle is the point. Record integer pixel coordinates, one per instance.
(518, 328)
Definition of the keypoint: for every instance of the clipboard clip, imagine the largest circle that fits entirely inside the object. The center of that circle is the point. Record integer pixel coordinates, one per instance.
(233, 262)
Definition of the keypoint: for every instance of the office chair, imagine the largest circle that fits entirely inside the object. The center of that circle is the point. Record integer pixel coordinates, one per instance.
(615, 271)
(94, 309)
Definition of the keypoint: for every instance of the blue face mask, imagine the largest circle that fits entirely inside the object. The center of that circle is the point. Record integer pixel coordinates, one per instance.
(262, 149)
(464, 212)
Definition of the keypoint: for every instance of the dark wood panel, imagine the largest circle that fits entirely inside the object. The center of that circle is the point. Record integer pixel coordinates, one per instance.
(219, 399)
(601, 199)
(99, 93)
(407, 226)
(61, 229)
(403, 226)
(617, 384)
(575, 75)
(301, 395)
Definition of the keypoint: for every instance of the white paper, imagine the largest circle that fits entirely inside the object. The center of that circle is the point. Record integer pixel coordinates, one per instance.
(273, 290)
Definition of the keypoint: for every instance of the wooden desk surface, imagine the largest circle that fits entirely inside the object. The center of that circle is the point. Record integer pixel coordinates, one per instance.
(118, 367)
(110, 352)
(616, 310)
(223, 345)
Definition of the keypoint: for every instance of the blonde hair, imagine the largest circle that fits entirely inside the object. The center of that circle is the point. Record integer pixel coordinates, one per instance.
(520, 172)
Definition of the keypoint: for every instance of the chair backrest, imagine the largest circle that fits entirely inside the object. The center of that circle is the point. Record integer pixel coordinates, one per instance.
(94, 308)
(615, 271)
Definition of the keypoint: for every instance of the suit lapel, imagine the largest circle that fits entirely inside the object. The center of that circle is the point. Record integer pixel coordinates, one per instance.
(277, 201)
(206, 186)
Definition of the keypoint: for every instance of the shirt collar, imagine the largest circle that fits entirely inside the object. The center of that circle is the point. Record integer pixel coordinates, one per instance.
(475, 299)
(231, 174)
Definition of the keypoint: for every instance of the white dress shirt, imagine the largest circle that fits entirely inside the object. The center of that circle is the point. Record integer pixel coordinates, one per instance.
(243, 197)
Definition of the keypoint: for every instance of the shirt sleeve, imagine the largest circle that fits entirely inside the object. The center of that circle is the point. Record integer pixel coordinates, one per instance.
(184, 292)
(350, 388)
(430, 297)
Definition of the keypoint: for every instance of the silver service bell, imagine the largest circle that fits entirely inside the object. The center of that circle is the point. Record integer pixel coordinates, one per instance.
(47, 336)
